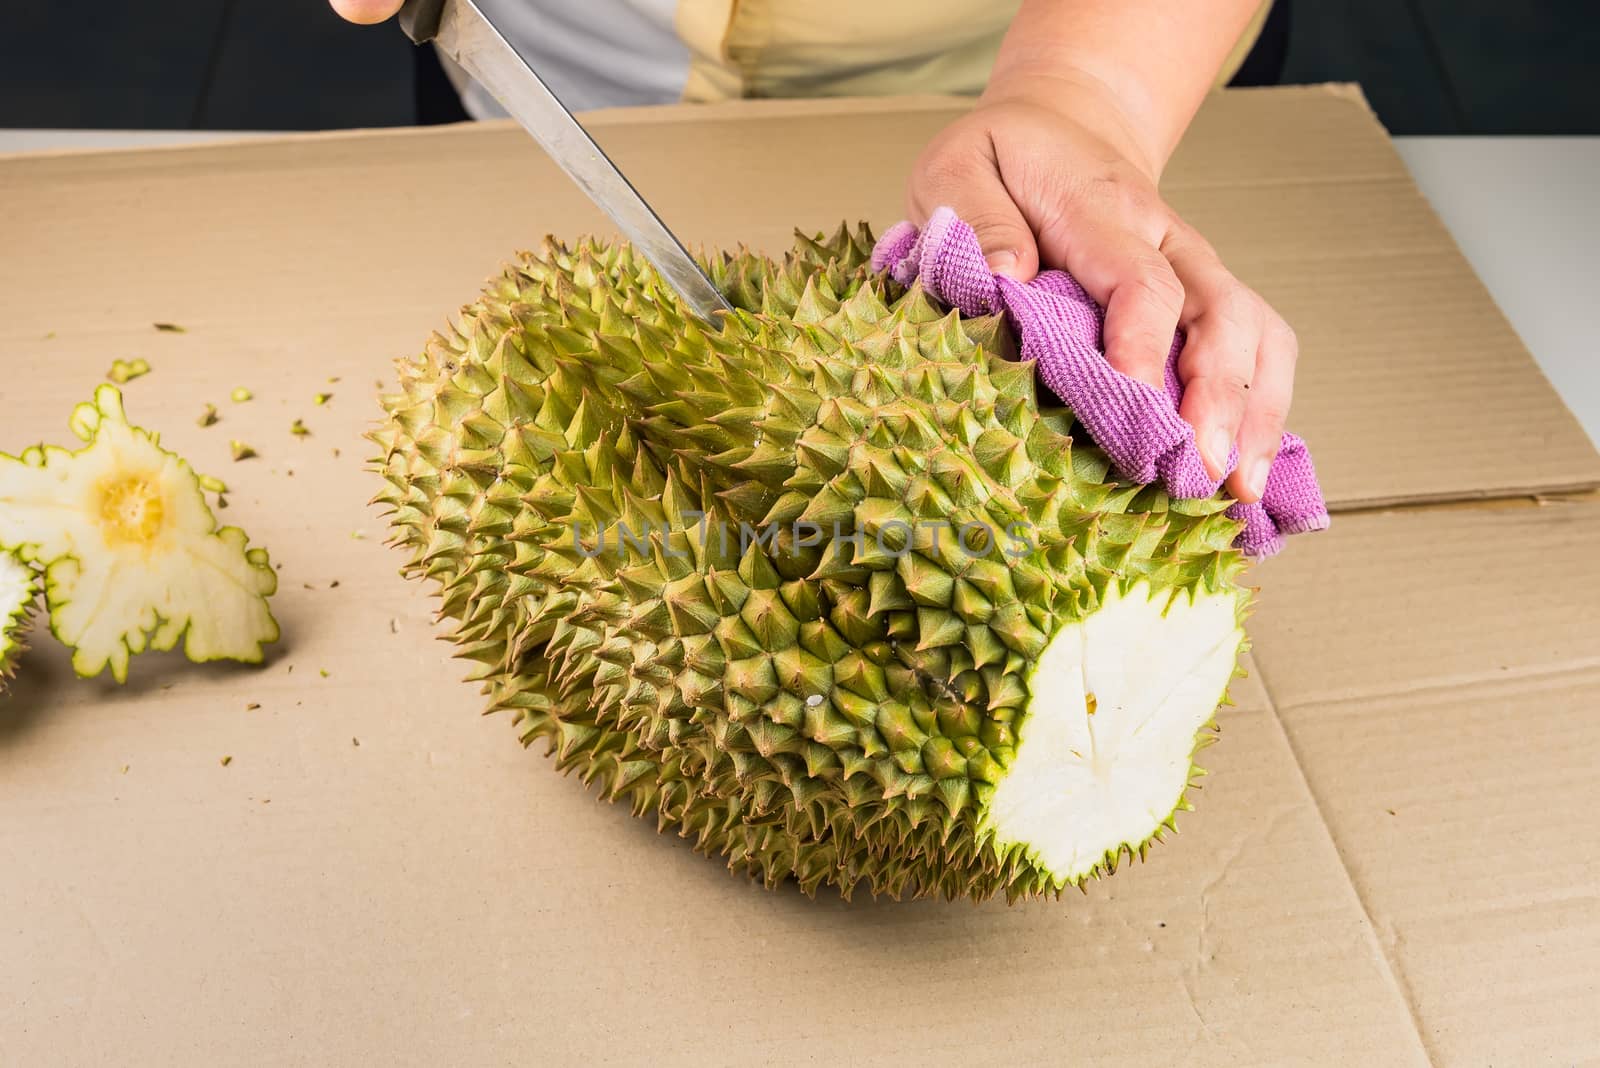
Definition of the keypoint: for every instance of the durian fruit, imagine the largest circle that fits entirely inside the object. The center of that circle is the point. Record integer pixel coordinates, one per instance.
(131, 556)
(19, 586)
(826, 588)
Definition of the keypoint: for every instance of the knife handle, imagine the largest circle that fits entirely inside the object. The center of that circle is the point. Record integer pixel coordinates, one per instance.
(420, 19)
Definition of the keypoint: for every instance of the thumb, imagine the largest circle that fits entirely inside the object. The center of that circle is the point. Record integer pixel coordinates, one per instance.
(973, 190)
(365, 12)
(1003, 234)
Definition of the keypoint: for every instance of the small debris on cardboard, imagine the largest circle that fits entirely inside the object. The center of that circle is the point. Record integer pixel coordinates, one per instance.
(252, 706)
(323, 398)
(208, 416)
(227, 760)
(240, 395)
(240, 450)
(124, 371)
(169, 328)
(299, 429)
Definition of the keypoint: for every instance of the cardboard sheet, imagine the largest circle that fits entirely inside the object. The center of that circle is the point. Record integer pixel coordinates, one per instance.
(381, 874)
(437, 895)
(1444, 706)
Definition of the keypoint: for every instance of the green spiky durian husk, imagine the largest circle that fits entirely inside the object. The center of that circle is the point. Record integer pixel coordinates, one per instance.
(19, 587)
(829, 712)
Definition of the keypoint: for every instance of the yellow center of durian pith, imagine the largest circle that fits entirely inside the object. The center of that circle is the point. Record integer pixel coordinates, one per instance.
(131, 510)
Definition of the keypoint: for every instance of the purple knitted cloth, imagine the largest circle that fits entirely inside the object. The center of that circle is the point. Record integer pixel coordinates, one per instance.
(1137, 425)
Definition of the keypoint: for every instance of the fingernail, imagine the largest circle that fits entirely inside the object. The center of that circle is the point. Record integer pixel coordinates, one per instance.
(1217, 447)
(1255, 476)
(1003, 263)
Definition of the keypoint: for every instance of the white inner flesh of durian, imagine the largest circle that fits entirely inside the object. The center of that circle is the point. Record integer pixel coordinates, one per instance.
(1104, 754)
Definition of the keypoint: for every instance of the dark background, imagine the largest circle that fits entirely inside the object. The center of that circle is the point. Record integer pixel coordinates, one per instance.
(1428, 66)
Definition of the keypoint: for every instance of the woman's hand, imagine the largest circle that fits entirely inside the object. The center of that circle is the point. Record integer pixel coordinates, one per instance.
(1051, 173)
(365, 12)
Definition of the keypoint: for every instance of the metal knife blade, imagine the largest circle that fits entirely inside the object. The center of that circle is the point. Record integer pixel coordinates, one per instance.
(461, 31)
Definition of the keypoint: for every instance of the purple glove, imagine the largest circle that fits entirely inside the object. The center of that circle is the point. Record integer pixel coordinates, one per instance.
(1137, 425)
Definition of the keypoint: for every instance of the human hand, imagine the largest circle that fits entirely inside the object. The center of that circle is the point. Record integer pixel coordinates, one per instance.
(365, 12)
(1052, 173)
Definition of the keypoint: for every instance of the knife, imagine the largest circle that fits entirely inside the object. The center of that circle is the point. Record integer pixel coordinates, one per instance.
(462, 32)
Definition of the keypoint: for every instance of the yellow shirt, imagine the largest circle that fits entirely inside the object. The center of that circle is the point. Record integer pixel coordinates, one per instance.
(773, 48)
(610, 53)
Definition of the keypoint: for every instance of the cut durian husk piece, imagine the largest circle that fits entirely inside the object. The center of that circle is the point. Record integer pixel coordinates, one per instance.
(876, 705)
(19, 587)
(131, 556)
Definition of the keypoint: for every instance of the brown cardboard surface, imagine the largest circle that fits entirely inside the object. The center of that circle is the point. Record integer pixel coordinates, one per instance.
(1442, 701)
(434, 894)
(437, 895)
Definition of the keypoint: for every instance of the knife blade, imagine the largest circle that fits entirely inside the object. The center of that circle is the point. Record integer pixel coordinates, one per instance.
(462, 32)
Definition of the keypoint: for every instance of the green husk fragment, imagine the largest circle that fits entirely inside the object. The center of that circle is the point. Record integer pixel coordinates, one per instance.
(19, 588)
(124, 371)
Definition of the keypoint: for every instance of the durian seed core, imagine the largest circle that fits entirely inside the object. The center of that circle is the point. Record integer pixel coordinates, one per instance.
(131, 510)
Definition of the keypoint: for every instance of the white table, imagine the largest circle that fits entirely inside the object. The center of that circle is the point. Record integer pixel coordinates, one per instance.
(1526, 211)
(1523, 209)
